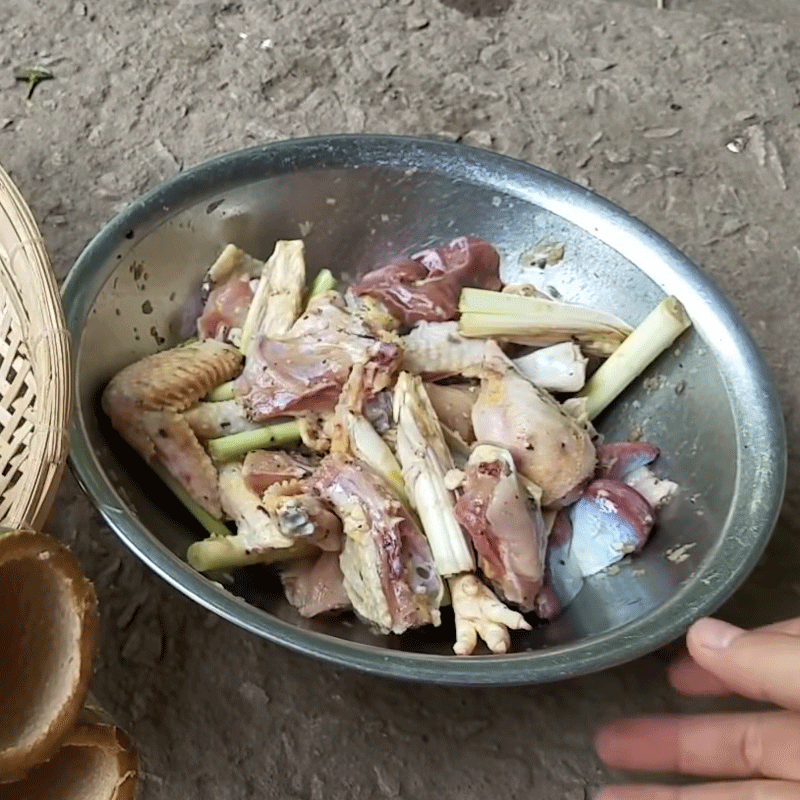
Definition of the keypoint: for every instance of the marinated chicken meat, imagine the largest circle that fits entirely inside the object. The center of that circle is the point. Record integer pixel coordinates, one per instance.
(506, 528)
(263, 468)
(305, 370)
(437, 350)
(178, 449)
(226, 308)
(427, 285)
(315, 585)
(453, 406)
(387, 565)
(142, 402)
(549, 447)
(391, 446)
(478, 613)
(173, 380)
(211, 420)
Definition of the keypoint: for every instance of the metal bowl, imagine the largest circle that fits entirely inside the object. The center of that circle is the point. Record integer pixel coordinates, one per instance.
(709, 403)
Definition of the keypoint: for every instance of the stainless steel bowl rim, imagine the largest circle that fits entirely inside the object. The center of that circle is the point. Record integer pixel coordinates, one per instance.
(761, 442)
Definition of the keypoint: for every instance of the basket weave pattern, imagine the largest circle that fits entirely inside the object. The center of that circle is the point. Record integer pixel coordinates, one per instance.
(35, 378)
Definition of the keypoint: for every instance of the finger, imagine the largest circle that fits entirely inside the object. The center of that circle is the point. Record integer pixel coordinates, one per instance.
(686, 677)
(690, 679)
(714, 745)
(745, 790)
(761, 665)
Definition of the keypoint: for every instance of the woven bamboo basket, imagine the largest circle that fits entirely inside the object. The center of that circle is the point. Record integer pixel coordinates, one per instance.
(35, 376)
(52, 742)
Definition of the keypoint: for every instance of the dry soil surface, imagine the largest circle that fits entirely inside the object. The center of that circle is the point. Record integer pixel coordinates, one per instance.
(687, 116)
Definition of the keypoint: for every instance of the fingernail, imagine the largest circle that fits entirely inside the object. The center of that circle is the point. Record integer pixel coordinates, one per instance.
(714, 634)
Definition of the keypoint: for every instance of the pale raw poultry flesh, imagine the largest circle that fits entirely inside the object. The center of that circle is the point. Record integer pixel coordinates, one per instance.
(506, 528)
(549, 447)
(388, 569)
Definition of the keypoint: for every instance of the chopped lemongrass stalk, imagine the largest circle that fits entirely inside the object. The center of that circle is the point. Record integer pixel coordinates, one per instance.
(214, 526)
(538, 322)
(232, 259)
(368, 446)
(277, 300)
(223, 392)
(324, 282)
(228, 552)
(426, 460)
(257, 307)
(278, 434)
(662, 326)
(287, 281)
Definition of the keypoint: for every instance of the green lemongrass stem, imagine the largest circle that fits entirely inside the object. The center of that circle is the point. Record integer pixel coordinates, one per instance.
(278, 434)
(372, 450)
(658, 331)
(257, 305)
(550, 313)
(223, 392)
(324, 282)
(215, 527)
(425, 459)
(538, 322)
(229, 552)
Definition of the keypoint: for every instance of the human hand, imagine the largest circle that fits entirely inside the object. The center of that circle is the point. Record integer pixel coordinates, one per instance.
(763, 747)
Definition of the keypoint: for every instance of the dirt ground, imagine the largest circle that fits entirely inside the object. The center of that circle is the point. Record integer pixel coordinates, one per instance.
(686, 116)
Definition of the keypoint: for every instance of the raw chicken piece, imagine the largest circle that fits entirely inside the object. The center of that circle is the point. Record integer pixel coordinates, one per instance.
(507, 532)
(173, 379)
(285, 524)
(305, 371)
(299, 514)
(255, 529)
(226, 295)
(564, 577)
(610, 521)
(615, 460)
(387, 565)
(315, 585)
(479, 613)
(437, 350)
(628, 462)
(549, 447)
(453, 405)
(558, 368)
(212, 420)
(262, 468)
(316, 430)
(226, 308)
(378, 410)
(657, 491)
(178, 450)
(427, 286)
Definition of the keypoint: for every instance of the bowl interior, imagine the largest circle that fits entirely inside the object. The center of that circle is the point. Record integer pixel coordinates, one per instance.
(352, 215)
